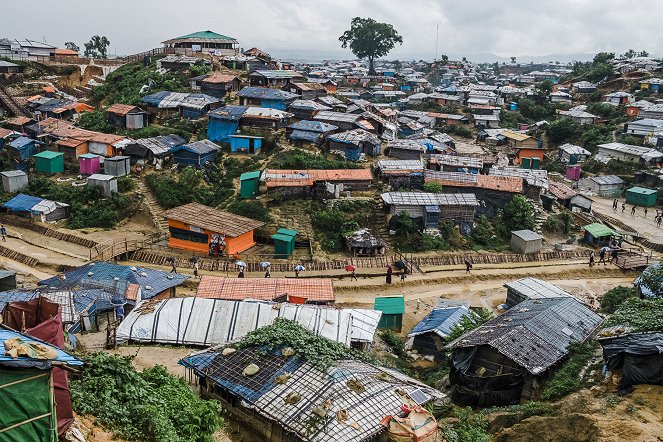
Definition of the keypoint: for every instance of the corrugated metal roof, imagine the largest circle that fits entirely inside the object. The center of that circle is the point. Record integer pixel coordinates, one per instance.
(429, 199)
(534, 288)
(265, 93)
(598, 230)
(527, 235)
(229, 112)
(336, 116)
(390, 305)
(313, 126)
(201, 147)
(277, 74)
(440, 321)
(536, 333)
(607, 180)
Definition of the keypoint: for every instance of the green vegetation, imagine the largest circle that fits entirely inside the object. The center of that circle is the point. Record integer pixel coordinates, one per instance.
(613, 167)
(469, 323)
(467, 427)
(559, 223)
(640, 315)
(97, 47)
(150, 406)
(518, 214)
(394, 342)
(563, 131)
(370, 39)
(510, 119)
(213, 187)
(463, 130)
(566, 380)
(96, 121)
(433, 187)
(536, 111)
(88, 207)
(520, 412)
(615, 297)
(318, 351)
(593, 71)
(249, 209)
(334, 224)
(301, 159)
(488, 235)
(652, 279)
(409, 238)
(123, 85)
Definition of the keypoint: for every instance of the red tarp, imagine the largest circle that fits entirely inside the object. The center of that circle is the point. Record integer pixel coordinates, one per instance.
(41, 318)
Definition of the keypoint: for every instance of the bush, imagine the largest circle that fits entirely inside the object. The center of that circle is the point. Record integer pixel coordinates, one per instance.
(518, 214)
(125, 184)
(469, 323)
(566, 380)
(559, 223)
(301, 159)
(534, 111)
(394, 342)
(96, 121)
(149, 406)
(615, 297)
(486, 236)
(433, 187)
(563, 131)
(250, 209)
(468, 427)
(464, 131)
(332, 225)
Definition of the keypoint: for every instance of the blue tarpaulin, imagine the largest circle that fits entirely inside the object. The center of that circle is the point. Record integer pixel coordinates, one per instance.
(22, 203)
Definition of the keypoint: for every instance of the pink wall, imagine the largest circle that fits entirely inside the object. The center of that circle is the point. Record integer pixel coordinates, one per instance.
(89, 166)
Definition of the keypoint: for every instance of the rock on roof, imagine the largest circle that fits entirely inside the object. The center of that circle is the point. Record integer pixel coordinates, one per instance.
(211, 219)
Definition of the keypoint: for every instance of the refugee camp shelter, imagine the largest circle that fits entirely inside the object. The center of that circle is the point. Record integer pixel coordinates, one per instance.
(265, 97)
(295, 290)
(509, 357)
(430, 335)
(353, 143)
(528, 288)
(203, 229)
(599, 234)
(432, 208)
(392, 308)
(365, 243)
(195, 154)
(130, 283)
(107, 183)
(245, 144)
(89, 164)
(153, 149)
(306, 131)
(632, 340)
(288, 393)
(117, 166)
(219, 322)
(609, 186)
(49, 162)
(7, 280)
(20, 150)
(224, 122)
(14, 180)
(526, 241)
(37, 209)
(249, 184)
(27, 392)
(640, 196)
(127, 116)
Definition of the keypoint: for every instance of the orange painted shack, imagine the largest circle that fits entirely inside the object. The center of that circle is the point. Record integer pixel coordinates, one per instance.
(207, 230)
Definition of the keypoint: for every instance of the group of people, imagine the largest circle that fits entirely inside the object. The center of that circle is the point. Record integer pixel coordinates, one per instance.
(613, 251)
(658, 218)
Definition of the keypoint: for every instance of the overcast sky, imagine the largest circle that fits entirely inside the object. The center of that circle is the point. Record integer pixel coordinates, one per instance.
(478, 29)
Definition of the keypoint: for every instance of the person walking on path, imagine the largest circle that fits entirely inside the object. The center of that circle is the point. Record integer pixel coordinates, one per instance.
(645, 212)
(602, 254)
(614, 205)
(623, 207)
(632, 210)
(173, 267)
(658, 220)
(591, 259)
(241, 272)
(614, 255)
(403, 275)
(389, 272)
(3, 232)
(195, 269)
(268, 273)
(468, 265)
(353, 275)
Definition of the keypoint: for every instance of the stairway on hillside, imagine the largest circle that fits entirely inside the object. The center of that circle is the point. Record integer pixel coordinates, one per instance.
(379, 221)
(540, 216)
(153, 207)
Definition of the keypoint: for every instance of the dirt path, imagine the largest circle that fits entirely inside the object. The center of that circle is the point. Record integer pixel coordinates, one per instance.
(41, 253)
(645, 225)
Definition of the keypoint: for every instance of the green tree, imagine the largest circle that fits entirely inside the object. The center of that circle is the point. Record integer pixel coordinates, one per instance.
(370, 39)
(603, 57)
(72, 46)
(97, 47)
(96, 121)
(518, 214)
(433, 187)
(469, 323)
(613, 298)
(563, 131)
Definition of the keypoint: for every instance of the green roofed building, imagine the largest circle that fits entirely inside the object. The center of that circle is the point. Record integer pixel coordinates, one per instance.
(284, 243)
(204, 41)
(249, 184)
(599, 234)
(640, 196)
(392, 308)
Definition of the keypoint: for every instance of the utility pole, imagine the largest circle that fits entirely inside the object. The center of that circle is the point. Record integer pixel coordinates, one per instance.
(437, 39)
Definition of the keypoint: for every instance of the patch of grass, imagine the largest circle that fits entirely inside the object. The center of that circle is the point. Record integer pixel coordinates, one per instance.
(615, 297)
(469, 427)
(249, 209)
(394, 342)
(566, 379)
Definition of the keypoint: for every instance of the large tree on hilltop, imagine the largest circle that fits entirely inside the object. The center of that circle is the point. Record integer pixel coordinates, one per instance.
(370, 39)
